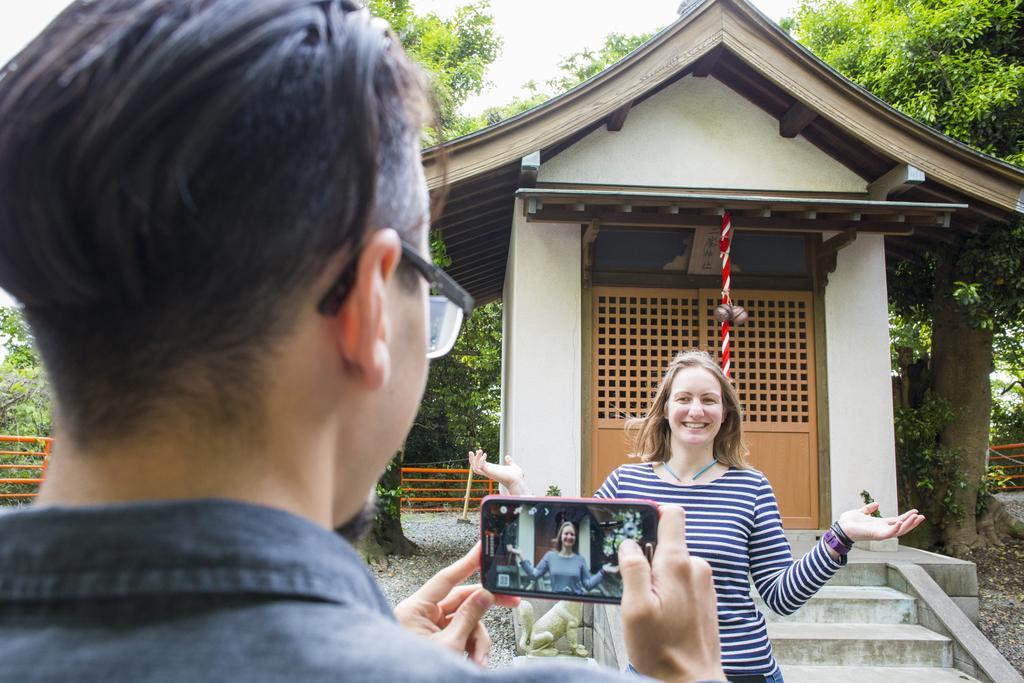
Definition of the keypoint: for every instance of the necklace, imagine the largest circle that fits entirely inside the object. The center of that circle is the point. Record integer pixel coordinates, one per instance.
(701, 471)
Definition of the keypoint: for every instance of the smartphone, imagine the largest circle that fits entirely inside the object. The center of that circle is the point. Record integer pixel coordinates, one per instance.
(561, 548)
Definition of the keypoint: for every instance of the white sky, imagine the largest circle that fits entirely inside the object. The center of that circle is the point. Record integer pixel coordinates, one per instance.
(536, 35)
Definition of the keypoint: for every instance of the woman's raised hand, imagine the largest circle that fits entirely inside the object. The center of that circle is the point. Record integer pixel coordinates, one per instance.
(509, 475)
(859, 525)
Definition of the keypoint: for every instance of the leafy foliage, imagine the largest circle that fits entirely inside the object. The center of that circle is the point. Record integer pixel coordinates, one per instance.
(25, 402)
(1007, 412)
(461, 407)
(924, 465)
(16, 340)
(956, 65)
(455, 51)
(865, 495)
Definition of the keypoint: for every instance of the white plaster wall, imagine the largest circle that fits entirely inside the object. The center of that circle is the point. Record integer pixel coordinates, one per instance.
(859, 386)
(541, 399)
(698, 133)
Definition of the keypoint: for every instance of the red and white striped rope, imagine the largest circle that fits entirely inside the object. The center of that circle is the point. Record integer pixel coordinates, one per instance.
(724, 245)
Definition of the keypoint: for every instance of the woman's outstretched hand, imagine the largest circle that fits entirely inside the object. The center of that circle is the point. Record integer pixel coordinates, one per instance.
(510, 475)
(859, 525)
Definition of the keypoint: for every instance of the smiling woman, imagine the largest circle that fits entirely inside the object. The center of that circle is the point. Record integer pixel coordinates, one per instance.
(690, 444)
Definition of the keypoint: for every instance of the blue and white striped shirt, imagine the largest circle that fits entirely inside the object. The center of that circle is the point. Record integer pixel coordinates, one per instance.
(733, 522)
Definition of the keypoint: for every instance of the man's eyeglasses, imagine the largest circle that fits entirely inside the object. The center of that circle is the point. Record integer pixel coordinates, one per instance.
(449, 303)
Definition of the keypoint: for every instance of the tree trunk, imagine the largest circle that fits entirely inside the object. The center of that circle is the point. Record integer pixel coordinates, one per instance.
(386, 538)
(961, 365)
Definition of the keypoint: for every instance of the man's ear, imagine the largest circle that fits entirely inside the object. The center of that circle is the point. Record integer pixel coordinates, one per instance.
(363, 321)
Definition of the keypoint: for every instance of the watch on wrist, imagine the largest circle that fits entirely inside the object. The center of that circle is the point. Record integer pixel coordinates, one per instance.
(838, 530)
(832, 540)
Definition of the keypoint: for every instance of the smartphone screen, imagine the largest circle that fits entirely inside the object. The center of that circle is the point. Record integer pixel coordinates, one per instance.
(561, 548)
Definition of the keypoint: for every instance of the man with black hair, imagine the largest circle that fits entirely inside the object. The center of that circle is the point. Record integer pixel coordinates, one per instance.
(215, 218)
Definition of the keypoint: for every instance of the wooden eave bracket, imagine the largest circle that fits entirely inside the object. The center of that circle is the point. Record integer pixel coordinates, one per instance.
(898, 180)
(529, 167)
(796, 118)
(825, 260)
(617, 118)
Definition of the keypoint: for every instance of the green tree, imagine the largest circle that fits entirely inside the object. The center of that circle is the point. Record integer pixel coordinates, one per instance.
(958, 66)
(455, 51)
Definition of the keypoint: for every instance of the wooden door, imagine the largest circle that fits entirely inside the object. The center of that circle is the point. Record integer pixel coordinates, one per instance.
(637, 331)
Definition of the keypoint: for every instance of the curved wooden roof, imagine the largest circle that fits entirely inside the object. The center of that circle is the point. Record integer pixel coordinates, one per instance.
(732, 41)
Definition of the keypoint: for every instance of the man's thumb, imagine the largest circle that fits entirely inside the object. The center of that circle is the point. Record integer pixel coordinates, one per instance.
(635, 572)
(469, 614)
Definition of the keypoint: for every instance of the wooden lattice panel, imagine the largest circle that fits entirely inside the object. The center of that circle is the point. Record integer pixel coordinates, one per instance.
(772, 357)
(638, 330)
(637, 333)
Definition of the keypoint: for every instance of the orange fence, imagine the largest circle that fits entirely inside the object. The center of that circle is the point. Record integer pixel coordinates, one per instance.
(23, 463)
(429, 489)
(1010, 458)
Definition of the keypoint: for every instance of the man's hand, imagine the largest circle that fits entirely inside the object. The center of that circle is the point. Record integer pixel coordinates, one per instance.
(668, 607)
(450, 613)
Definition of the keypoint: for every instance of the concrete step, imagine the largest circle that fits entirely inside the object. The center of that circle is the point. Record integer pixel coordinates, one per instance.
(873, 674)
(851, 604)
(897, 645)
(867, 574)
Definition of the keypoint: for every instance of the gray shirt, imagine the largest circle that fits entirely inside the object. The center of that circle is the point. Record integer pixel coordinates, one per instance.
(568, 574)
(207, 591)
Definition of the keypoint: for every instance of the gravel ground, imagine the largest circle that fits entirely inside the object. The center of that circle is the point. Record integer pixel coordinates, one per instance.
(442, 540)
(1001, 585)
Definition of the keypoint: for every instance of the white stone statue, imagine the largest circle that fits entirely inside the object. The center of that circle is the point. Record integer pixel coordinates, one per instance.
(539, 637)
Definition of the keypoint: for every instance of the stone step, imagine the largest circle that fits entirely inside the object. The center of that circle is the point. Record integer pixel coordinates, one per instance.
(897, 645)
(873, 674)
(867, 574)
(851, 604)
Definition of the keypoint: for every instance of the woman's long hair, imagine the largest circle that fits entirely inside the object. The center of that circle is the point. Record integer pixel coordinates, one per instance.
(651, 436)
(557, 540)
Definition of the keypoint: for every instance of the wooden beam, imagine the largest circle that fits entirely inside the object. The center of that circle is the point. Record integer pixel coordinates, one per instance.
(781, 224)
(460, 197)
(973, 206)
(796, 118)
(703, 67)
(480, 274)
(896, 181)
(474, 214)
(618, 117)
(529, 166)
(478, 239)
